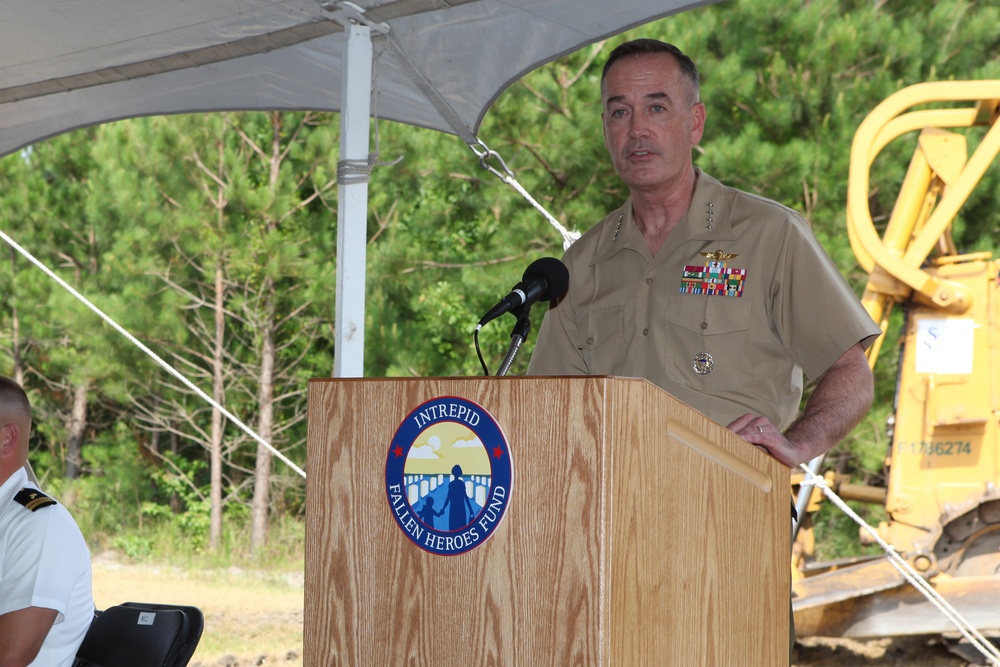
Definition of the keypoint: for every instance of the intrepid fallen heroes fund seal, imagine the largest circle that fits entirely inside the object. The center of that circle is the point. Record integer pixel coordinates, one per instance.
(448, 476)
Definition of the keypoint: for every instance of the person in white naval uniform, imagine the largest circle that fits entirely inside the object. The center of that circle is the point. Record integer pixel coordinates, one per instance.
(46, 602)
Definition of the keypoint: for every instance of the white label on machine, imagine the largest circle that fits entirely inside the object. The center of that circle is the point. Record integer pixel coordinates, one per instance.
(146, 618)
(944, 347)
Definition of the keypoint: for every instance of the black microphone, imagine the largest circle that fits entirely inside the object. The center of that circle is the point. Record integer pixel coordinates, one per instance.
(545, 279)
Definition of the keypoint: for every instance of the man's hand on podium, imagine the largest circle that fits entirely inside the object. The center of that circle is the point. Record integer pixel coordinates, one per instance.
(765, 436)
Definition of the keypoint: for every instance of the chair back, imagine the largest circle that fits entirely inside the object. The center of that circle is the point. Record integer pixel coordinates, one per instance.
(141, 634)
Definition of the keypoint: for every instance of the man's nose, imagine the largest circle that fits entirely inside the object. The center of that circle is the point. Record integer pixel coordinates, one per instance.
(638, 127)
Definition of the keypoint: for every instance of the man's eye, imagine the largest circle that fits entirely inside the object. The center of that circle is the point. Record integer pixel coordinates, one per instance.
(618, 113)
(658, 108)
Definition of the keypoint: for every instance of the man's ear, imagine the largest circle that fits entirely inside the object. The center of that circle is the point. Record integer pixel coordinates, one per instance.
(8, 438)
(698, 113)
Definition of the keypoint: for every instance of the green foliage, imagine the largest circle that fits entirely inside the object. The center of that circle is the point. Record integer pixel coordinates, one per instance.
(177, 482)
(169, 542)
(106, 500)
(133, 546)
(838, 536)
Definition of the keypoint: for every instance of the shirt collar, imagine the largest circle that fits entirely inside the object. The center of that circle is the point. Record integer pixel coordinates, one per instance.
(707, 219)
(708, 215)
(9, 489)
(619, 233)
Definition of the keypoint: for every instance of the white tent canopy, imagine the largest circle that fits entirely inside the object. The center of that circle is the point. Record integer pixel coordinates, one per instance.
(438, 64)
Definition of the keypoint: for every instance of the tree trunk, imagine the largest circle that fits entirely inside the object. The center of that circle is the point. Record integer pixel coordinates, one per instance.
(218, 425)
(77, 427)
(15, 325)
(265, 427)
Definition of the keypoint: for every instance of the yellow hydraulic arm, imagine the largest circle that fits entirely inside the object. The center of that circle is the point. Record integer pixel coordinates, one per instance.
(937, 184)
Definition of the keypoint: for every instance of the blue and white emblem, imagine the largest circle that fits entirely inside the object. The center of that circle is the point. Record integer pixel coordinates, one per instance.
(448, 476)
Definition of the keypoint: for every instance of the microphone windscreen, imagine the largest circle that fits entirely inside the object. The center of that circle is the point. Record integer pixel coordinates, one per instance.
(553, 273)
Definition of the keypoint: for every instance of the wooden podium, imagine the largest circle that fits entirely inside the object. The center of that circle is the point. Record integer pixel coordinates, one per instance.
(638, 532)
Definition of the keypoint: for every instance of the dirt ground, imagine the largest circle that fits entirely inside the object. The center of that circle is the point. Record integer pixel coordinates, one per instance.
(255, 619)
(909, 651)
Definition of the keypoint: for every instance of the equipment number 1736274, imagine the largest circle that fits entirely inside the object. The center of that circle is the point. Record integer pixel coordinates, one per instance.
(939, 448)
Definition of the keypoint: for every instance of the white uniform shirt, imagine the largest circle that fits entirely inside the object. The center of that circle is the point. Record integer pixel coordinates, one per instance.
(45, 562)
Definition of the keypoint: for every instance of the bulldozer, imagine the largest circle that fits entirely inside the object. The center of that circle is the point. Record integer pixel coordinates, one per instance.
(942, 482)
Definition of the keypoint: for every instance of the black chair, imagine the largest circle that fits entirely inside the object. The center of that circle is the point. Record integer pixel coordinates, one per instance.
(140, 634)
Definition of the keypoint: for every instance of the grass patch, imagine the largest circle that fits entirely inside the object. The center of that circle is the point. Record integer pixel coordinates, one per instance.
(169, 543)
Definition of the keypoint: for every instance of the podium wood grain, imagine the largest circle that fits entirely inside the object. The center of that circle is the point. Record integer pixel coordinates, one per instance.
(638, 533)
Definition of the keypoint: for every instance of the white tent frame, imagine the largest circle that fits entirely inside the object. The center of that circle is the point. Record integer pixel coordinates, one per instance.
(352, 206)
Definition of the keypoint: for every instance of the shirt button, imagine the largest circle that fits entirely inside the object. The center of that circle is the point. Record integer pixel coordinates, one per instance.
(704, 325)
(649, 281)
(645, 332)
(590, 341)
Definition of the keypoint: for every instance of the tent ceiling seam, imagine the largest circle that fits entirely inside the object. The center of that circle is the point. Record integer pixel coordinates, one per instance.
(216, 53)
(179, 61)
(413, 73)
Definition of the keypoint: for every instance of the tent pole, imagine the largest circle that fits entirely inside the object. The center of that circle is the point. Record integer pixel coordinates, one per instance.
(352, 204)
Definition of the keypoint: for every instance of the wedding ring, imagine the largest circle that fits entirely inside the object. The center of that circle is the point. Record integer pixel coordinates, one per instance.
(760, 429)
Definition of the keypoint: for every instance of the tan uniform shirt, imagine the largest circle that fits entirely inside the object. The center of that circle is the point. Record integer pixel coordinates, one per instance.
(738, 302)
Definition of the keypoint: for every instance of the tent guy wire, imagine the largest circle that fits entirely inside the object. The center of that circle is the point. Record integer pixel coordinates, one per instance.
(156, 358)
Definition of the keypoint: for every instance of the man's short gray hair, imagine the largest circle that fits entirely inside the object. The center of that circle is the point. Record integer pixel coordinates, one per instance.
(641, 47)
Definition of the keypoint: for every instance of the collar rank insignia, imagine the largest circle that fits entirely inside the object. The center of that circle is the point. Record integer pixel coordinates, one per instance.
(33, 499)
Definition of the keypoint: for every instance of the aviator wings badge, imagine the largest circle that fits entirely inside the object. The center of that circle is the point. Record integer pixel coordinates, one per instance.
(718, 256)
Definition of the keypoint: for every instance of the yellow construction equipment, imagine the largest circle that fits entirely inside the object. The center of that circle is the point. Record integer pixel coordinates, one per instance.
(943, 487)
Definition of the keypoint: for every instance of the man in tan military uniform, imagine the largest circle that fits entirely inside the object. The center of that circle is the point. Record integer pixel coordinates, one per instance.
(720, 297)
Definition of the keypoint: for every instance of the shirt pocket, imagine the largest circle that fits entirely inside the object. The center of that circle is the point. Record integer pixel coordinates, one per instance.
(603, 347)
(716, 325)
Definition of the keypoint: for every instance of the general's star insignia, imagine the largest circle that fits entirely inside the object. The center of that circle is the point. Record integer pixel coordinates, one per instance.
(718, 255)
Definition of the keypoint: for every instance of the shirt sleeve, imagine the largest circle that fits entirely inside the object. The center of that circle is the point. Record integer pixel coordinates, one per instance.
(38, 567)
(817, 316)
